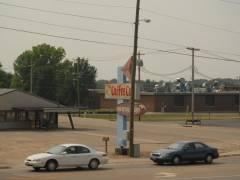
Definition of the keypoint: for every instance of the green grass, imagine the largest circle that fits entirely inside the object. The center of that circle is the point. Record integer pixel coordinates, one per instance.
(171, 116)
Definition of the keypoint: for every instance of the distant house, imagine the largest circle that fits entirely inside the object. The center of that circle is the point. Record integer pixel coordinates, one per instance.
(20, 110)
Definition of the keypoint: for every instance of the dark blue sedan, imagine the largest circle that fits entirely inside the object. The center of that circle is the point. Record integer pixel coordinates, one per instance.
(185, 151)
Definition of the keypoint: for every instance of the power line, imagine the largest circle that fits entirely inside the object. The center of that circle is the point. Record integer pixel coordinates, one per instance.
(203, 57)
(64, 13)
(114, 44)
(213, 54)
(89, 30)
(230, 2)
(202, 74)
(170, 74)
(64, 26)
(98, 5)
(150, 73)
(190, 21)
(64, 37)
(108, 33)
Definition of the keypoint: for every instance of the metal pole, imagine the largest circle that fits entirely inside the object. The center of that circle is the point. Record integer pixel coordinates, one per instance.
(131, 126)
(193, 94)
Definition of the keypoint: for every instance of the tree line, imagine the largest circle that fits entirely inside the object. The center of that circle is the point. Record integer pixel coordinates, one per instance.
(45, 71)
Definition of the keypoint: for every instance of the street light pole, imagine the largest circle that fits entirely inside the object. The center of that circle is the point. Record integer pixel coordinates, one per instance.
(133, 74)
(193, 68)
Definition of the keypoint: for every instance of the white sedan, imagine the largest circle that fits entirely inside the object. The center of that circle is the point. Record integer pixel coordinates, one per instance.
(67, 155)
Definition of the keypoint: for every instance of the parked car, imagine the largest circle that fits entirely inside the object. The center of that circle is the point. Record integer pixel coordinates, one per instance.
(185, 151)
(67, 155)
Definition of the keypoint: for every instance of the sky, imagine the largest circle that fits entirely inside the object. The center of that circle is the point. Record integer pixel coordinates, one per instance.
(213, 26)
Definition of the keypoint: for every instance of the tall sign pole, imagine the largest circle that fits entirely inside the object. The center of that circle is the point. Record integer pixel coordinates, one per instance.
(131, 125)
(193, 68)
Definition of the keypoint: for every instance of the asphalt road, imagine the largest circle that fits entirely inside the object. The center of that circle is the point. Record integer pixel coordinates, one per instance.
(222, 169)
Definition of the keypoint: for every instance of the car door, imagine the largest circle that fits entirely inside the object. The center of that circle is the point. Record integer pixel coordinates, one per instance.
(70, 158)
(83, 155)
(200, 151)
(188, 153)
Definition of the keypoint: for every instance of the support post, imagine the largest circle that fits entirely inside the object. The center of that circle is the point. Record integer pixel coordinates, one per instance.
(193, 95)
(121, 120)
(132, 101)
(71, 121)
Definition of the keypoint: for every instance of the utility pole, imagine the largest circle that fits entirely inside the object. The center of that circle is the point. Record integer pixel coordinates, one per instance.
(132, 100)
(193, 68)
(78, 76)
(31, 78)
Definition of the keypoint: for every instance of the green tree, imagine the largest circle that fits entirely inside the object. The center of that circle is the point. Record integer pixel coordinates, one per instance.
(5, 78)
(54, 78)
(85, 78)
(44, 61)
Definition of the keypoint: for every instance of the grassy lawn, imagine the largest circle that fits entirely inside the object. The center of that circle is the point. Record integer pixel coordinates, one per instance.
(172, 116)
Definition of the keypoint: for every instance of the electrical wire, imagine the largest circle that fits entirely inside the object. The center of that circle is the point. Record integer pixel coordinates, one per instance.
(97, 5)
(202, 74)
(230, 2)
(65, 14)
(89, 30)
(64, 37)
(116, 44)
(170, 74)
(150, 73)
(64, 26)
(108, 33)
(190, 21)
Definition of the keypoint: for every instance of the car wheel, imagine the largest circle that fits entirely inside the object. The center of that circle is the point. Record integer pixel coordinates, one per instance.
(36, 168)
(176, 160)
(51, 165)
(93, 164)
(209, 159)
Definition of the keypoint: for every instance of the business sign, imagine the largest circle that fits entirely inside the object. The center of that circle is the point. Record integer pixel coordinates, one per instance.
(124, 109)
(118, 91)
(121, 91)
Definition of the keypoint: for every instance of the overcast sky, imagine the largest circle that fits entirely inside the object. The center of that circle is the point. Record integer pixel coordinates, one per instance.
(211, 25)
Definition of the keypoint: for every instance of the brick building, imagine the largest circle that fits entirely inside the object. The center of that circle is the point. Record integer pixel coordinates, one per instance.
(179, 102)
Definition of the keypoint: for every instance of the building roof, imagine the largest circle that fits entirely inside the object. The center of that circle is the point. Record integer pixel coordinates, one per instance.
(14, 99)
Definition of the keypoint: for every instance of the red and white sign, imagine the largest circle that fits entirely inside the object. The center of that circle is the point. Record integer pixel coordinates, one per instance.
(124, 109)
(118, 91)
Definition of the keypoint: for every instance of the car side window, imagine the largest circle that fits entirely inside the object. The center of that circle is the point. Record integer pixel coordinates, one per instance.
(199, 146)
(189, 147)
(83, 150)
(71, 150)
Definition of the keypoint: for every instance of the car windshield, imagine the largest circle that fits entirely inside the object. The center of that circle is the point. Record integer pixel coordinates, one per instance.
(56, 150)
(176, 146)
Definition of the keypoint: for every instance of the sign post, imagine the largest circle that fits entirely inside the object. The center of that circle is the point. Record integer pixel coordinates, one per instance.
(121, 120)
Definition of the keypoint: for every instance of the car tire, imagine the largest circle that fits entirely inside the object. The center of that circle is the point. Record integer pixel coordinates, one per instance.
(176, 160)
(93, 164)
(36, 168)
(51, 165)
(208, 159)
